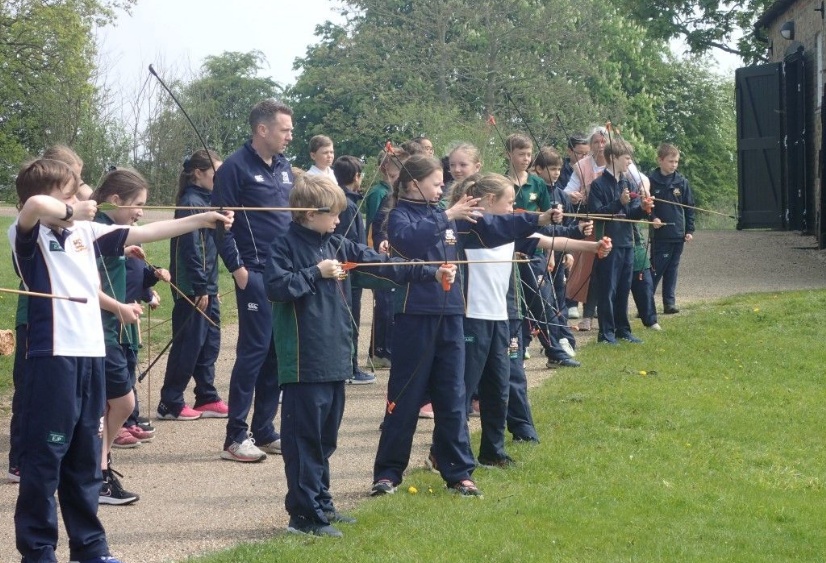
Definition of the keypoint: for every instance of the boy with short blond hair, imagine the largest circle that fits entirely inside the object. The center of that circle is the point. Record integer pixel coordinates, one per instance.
(677, 217)
(310, 315)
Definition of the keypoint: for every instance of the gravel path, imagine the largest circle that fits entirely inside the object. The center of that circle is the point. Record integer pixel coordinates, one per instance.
(193, 502)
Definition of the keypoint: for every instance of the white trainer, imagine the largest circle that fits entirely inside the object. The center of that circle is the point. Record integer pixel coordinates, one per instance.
(566, 346)
(245, 451)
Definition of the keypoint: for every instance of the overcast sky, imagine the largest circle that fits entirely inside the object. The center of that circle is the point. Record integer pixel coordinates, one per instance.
(176, 36)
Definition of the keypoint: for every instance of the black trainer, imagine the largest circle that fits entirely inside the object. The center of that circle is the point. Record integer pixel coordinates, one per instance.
(306, 527)
(112, 492)
(334, 516)
(466, 488)
(145, 425)
(500, 463)
(382, 487)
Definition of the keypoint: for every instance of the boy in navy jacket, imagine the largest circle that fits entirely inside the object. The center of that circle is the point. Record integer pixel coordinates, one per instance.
(668, 185)
(304, 280)
(613, 194)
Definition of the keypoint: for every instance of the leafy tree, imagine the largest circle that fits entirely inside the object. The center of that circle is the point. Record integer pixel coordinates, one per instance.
(47, 54)
(401, 68)
(218, 100)
(704, 25)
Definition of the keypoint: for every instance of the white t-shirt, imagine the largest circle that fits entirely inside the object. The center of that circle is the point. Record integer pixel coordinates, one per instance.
(315, 170)
(487, 284)
(65, 264)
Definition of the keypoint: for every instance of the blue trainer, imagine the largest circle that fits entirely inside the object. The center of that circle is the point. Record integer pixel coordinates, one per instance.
(362, 378)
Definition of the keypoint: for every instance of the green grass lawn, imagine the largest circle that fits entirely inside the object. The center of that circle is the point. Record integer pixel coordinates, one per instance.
(703, 444)
(157, 254)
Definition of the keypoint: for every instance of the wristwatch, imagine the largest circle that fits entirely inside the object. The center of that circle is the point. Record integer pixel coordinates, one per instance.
(69, 212)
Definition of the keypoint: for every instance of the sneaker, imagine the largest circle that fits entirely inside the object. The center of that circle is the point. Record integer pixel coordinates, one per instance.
(125, 440)
(305, 527)
(501, 463)
(245, 451)
(430, 463)
(655, 326)
(609, 341)
(273, 447)
(362, 378)
(112, 492)
(566, 347)
(218, 409)
(564, 362)
(380, 363)
(13, 475)
(145, 425)
(573, 312)
(103, 559)
(670, 309)
(338, 517)
(382, 487)
(584, 325)
(426, 411)
(187, 413)
(525, 440)
(465, 488)
(475, 409)
(139, 433)
(631, 338)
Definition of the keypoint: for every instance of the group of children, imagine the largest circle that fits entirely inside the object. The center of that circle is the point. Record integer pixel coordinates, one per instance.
(298, 280)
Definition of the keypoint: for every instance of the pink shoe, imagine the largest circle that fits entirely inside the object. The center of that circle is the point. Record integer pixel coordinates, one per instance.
(139, 433)
(125, 440)
(426, 411)
(187, 413)
(218, 409)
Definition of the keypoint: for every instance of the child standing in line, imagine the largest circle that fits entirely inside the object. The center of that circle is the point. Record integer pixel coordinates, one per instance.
(347, 170)
(532, 195)
(669, 239)
(611, 194)
(381, 336)
(428, 340)
(66, 155)
(323, 154)
(304, 282)
(55, 246)
(548, 166)
(140, 279)
(193, 264)
(489, 243)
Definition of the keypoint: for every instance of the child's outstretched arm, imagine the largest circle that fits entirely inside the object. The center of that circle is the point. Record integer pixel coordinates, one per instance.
(564, 244)
(53, 210)
(161, 230)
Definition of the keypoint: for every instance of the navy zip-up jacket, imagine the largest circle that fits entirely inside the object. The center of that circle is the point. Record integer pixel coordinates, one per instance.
(418, 230)
(604, 198)
(245, 180)
(311, 314)
(351, 223)
(673, 187)
(193, 256)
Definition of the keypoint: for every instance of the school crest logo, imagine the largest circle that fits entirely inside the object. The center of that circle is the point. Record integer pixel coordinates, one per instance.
(259, 178)
(677, 192)
(532, 197)
(79, 246)
(450, 237)
(285, 178)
